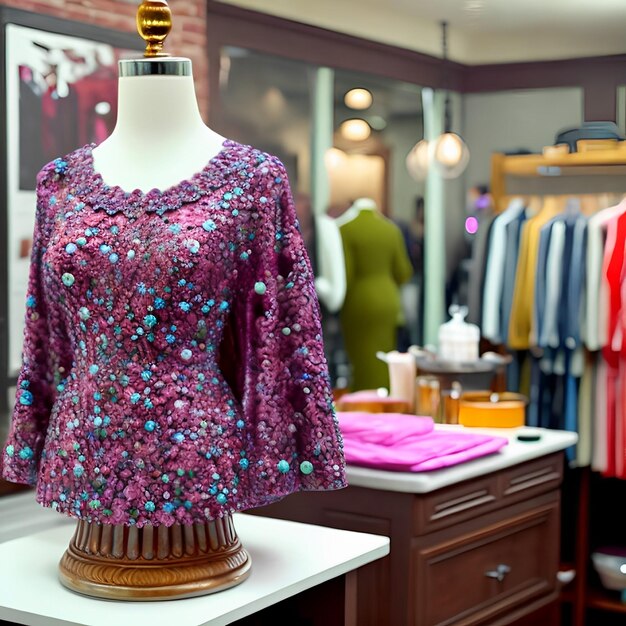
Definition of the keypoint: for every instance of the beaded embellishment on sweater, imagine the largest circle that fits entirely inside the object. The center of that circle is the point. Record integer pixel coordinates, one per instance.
(173, 364)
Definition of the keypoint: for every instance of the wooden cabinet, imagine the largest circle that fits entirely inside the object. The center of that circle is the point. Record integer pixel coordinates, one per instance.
(483, 551)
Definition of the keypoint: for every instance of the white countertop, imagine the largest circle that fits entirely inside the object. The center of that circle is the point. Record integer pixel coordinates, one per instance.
(287, 558)
(423, 482)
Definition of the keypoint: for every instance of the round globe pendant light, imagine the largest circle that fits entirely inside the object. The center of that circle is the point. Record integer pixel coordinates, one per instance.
(448, 154)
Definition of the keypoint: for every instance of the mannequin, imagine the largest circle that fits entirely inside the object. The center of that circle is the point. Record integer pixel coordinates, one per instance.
(360, 204)
(182, 146)
(173, 365)
(330, 282)
(377, 264)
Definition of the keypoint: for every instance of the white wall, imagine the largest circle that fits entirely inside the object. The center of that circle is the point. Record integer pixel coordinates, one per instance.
(501, 121)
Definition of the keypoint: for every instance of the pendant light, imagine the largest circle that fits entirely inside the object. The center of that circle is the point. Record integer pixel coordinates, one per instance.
(448, 154)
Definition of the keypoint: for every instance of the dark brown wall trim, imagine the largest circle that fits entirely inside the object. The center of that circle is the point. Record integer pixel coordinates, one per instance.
(230, 25)
(598, 76)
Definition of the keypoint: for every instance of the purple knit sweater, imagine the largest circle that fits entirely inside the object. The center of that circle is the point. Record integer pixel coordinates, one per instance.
(173, 365)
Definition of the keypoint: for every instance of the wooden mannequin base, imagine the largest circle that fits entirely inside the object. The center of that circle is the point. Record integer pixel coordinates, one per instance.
(154, 563)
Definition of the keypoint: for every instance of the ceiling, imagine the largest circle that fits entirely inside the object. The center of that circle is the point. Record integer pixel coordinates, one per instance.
(480, 31)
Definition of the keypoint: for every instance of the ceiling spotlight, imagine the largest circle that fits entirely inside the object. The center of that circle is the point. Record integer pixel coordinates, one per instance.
(355, 129)
(358, 99)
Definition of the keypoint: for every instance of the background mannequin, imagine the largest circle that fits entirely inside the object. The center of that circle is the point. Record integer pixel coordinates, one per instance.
(330, 283)
(377, 263)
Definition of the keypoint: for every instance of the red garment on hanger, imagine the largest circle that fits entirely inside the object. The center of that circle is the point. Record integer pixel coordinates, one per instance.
(613, 267)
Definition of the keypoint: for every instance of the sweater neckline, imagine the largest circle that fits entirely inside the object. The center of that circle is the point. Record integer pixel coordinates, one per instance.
(88, 185)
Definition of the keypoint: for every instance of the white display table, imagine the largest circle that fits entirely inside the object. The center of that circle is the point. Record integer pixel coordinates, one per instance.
(287, 559)
(514, 453)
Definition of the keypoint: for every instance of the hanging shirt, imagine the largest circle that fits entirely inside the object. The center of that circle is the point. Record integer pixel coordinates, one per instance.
(520, 325)
(612, 273)
(494, 274)
(595, 283)
(513, 233)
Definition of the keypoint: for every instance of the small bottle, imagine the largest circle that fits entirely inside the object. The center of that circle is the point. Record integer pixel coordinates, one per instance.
(450, 399)
(458, 340)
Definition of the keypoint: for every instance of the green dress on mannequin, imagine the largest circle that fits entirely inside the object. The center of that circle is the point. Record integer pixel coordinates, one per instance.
(377, 263)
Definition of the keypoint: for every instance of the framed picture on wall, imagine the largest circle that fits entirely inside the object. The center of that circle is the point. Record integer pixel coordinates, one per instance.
(60, 93)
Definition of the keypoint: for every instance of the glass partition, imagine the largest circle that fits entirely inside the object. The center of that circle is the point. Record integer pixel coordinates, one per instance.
(268, 102)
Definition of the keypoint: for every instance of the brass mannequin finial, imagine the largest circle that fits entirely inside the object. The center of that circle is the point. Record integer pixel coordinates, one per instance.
(154, 22)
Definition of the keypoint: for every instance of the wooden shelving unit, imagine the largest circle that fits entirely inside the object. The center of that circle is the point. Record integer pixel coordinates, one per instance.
(595, 171)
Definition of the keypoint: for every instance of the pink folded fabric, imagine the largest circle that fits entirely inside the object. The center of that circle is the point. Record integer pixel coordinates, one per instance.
(368, 395)
(385, 429)
(399, 442)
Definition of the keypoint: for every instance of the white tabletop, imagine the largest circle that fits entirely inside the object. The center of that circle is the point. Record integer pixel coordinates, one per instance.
(287, 558)
(513, 453)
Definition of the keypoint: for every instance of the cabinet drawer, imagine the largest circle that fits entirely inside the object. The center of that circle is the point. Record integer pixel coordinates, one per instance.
(522, 482)
(467, 500)
(473, 577)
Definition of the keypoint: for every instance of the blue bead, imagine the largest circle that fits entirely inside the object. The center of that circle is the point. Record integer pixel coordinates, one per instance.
(260, 288)
(283, 466)
(26, 453)
(149, 506)
(244, 463)
(306, 467)
(150, 426)
(221, 498)
(68, 279)
(26, 398)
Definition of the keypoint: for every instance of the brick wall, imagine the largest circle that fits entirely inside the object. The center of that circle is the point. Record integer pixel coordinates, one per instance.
(187, 39)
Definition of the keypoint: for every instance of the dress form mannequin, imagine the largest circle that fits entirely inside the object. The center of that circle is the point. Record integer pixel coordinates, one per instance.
(159, 140)
(158, 113)
(377, 264)
(360, 204)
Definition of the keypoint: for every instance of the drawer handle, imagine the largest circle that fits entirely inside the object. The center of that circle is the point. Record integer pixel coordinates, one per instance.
(499, 573)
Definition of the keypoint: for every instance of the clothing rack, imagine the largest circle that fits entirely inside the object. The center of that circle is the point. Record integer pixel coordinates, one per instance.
(592, 172)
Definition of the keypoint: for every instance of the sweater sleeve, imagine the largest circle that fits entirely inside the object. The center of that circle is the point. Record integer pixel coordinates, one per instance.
(43, 364)
(286, 393)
